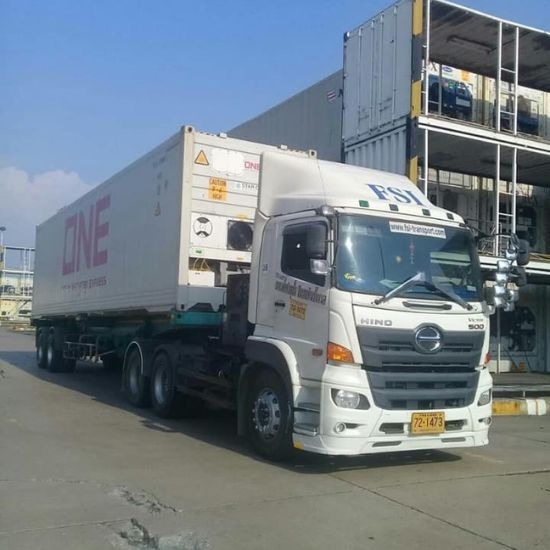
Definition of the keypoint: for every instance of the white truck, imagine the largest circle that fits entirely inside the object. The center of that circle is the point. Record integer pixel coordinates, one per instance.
(334, 308)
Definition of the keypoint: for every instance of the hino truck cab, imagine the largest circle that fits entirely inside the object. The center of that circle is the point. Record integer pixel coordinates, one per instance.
(367, 301)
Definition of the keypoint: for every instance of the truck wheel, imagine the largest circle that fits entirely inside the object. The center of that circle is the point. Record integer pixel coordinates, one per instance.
(165, 398)
(269, 417)
(54, 357)
(55, 362)
(41, 350)
(135, 385)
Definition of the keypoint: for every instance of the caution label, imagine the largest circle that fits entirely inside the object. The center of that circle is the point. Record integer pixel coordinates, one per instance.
(297, 309)
(201, 159)
(217, 189)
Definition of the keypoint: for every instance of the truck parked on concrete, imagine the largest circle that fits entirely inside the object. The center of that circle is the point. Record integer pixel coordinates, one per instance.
(334, 308)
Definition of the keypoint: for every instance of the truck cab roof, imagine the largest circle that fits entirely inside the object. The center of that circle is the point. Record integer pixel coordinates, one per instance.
(293, 184)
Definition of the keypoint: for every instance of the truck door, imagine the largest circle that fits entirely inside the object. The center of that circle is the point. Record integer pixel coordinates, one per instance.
(300, 297)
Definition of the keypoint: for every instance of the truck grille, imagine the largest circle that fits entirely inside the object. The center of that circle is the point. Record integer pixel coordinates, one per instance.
(422, 390)
(402, 378)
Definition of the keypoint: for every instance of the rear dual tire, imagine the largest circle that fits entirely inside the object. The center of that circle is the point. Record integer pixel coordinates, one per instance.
(167, 401)
(135, 384)
(41, 342)
(49, 356)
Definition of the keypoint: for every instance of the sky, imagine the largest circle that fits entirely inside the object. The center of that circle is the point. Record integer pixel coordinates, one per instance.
(88, 86)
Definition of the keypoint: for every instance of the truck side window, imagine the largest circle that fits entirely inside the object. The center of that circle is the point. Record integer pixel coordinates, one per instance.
(295, 260)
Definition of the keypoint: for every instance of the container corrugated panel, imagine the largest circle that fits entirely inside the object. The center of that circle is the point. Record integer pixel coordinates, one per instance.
(128, 243)
(311, 119)
(377, 74)
(386, 152)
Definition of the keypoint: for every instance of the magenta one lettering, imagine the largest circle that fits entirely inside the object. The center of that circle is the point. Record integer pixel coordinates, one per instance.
(83, 246)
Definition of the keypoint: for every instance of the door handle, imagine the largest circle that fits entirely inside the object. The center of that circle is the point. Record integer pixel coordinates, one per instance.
(279, 304)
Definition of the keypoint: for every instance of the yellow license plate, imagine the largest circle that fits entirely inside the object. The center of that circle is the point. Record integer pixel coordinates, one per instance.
(428, 422)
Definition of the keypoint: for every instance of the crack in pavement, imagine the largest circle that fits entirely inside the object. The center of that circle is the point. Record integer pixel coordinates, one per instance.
(427, 514)
(518, 436)
(54, 480)
(142, 499)
(64, 526)
(136, 497)
(459, 478)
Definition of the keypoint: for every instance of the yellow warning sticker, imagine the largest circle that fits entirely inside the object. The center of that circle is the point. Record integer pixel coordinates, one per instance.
(201, 159)
(297, 309)
(217, 189)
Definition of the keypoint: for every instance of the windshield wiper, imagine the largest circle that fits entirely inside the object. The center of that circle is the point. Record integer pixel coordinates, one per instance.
(451, 295)
(420, 278)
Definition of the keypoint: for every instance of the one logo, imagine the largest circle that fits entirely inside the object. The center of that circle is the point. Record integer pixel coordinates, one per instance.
(428, 340)
(84, 246)
(202, 227)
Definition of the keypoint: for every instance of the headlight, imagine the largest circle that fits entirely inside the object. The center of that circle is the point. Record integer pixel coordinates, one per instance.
(346, 399)
(485, 398)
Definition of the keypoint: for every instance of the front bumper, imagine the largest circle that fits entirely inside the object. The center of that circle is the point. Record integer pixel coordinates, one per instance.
(376, 430)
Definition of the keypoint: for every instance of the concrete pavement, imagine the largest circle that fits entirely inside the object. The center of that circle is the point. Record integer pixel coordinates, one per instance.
(81, 469)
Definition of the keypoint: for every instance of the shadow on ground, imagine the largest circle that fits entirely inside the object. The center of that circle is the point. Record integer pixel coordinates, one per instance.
(215, 427)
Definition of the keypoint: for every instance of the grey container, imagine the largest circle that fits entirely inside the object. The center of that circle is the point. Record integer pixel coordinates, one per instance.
(311, 119)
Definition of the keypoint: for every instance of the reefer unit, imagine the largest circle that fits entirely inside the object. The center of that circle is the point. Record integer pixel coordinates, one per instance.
(158, 236)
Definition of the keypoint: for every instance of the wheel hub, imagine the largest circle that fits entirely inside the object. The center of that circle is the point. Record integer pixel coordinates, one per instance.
(266, 413)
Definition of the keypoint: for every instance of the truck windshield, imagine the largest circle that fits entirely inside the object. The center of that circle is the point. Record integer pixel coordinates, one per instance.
(375, 255)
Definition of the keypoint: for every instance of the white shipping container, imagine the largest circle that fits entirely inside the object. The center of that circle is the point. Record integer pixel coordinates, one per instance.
(150, 237)
(377, 74)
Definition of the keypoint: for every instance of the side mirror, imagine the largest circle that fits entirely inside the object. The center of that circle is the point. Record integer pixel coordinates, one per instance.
(523, 252)
(319, 267)
(316, 244)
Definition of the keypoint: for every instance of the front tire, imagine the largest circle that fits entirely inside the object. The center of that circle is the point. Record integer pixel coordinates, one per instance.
(135, 385)
(269, 416)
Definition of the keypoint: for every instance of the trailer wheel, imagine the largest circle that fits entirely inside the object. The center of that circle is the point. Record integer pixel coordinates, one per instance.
(269, 416)
(55, 362)
(135, 385)
(166, 401)
(41, 350)
(54, 357)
